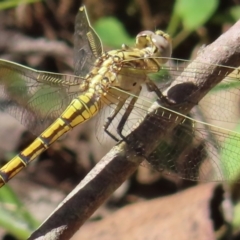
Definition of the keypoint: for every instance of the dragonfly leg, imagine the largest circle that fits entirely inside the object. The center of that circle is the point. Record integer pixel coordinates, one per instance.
(110, 119)
(151, 86)
(125, 116)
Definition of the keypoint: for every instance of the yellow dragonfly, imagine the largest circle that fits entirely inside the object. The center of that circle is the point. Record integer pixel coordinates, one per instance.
(54, 103)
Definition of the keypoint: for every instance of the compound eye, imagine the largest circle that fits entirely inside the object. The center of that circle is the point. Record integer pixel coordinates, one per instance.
(163, 44)
(143, 39)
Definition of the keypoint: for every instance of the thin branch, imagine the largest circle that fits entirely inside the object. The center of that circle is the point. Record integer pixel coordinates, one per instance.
(124, 158)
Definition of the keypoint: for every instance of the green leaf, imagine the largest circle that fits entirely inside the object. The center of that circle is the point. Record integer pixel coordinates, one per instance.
(228, 158)
(235, 12)
(112, 32)
(224, 86)
(195, 13)
(236, 217)
(14, 3)
(13, 216)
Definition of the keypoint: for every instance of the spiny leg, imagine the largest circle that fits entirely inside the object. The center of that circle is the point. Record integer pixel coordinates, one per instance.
(188, 88)
(151, 86)
(126, 115)
(110, 119)
(139, 148)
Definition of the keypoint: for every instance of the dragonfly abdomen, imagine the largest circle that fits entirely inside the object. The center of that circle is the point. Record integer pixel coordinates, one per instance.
(79, 111)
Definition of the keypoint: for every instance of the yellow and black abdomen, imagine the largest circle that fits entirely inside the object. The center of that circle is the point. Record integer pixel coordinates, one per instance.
(79, 111)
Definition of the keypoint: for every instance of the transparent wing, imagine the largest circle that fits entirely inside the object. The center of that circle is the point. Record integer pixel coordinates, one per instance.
(87, 44)
(35, 98)
(206, 145)
(196, 151)
(219, 105)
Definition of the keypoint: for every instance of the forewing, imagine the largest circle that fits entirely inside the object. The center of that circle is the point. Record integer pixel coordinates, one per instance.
(87, 44)
(35, 98)
(205, 146)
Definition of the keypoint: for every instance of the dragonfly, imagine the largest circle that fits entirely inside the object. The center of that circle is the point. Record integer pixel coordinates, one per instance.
(56, 103)
(51, 104)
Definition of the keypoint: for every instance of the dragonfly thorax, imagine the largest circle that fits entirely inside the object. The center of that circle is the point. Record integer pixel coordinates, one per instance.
(127, 68)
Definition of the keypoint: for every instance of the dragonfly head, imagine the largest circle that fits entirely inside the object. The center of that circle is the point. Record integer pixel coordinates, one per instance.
(158, 43)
